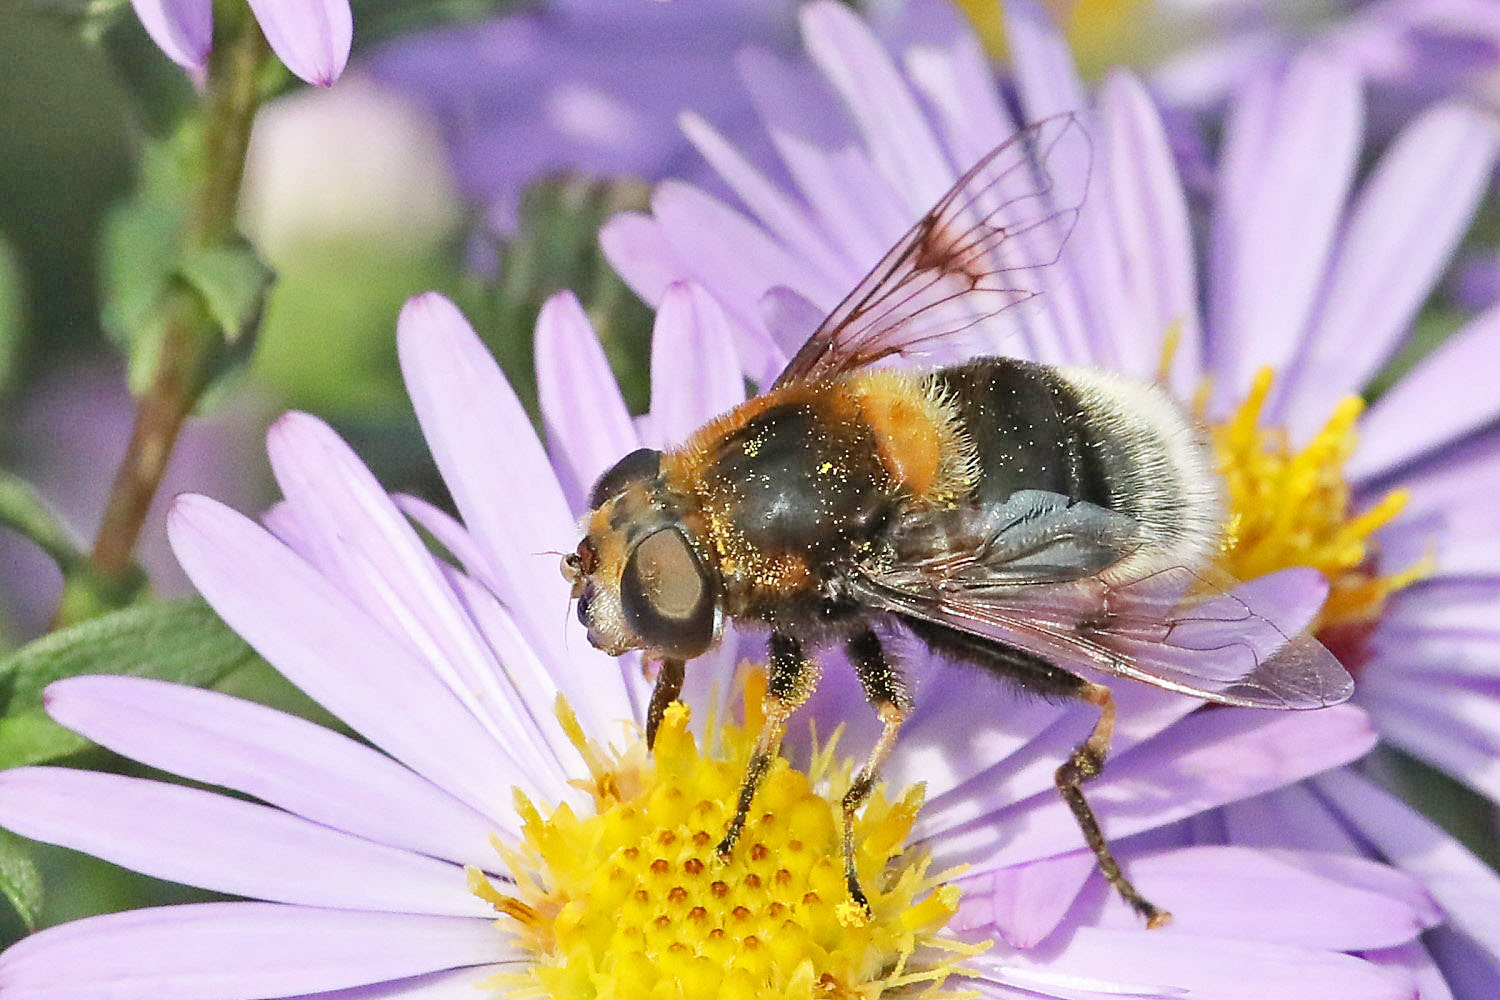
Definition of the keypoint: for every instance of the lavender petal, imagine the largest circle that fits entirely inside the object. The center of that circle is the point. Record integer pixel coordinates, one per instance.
(1399, 239)
(341, 657)
(694, 373)
(1449, 394)
(1204, 761)
(1166, 963)
(364, 541)
(183, 29)
(278, 758)
(239, 951)
(227, 845)
(491, 460)
(312, 37)
(1291, 146)
(588, 426)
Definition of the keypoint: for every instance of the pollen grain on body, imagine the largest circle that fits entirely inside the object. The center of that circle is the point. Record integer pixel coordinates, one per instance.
(630, 900)
(1292, 506)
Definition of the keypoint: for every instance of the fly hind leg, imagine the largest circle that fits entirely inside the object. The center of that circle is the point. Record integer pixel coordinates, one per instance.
(1087, 761)
(1030, 672)
(886, 691)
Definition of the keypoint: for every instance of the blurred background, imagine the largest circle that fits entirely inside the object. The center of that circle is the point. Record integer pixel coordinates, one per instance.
(472, 147)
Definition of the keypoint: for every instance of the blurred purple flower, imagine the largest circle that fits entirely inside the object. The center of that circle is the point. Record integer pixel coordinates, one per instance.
(1304, 276)
(312, 37)
(355, 852)
(593, 86)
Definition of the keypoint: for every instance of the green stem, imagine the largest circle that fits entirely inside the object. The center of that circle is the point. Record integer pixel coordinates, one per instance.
(192, 341)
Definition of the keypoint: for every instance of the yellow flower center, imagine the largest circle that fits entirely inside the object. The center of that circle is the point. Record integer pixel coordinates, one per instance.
(1291, 507)
(1101, 33)
(632, 901)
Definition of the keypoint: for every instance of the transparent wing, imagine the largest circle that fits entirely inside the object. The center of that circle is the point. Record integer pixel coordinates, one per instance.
(965, 261)
(1190, 631)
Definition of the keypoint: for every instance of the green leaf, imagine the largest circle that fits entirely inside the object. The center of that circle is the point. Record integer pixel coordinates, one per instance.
(182, 641)
(19, 879)
(85, 592)
(31, 737)
(233, 282)
(23, 510)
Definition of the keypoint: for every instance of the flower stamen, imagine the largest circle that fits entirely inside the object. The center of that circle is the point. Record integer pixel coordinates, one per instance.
(1291, 507)
(633, 902)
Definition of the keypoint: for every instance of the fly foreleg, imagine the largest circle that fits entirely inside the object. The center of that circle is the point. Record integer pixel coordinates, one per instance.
(668, 687)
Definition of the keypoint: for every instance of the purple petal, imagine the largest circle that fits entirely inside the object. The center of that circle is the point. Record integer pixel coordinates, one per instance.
(637, 248)
(1450, 393)
(342, 658)
(491, 460)
(1024, 903)
(1399, 239)
(1149, 216)
(892, 124)
(1291, 146)
(226, 845)
(1167, 963)
(312, 37)
(1206, 760)
(1415, 961)
(1291, 818)
(279, 758)
(860, 211)
(776, 211)
(456, 984)
(239, 951)
(735, 258)
(1283, 897)
(183, 29)
(363, 540)
(450, 535)
(1451, 726)
(588, 426)
(694, 373)
(1045, 72)
(1466, 888)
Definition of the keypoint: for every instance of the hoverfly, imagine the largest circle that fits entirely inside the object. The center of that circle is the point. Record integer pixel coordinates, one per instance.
(1012, 515)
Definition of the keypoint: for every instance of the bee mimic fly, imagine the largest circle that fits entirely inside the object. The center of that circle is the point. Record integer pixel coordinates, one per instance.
(1020, 517)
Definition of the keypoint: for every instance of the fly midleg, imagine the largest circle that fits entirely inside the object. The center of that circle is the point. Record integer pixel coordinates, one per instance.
(886, 691)
(792, 679)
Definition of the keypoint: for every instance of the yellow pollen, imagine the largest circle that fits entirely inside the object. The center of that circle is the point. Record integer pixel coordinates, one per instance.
(632, 902)
(1290, 507)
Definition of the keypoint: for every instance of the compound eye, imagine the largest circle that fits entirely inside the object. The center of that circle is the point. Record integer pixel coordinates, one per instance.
(667, 597)
(638, 466)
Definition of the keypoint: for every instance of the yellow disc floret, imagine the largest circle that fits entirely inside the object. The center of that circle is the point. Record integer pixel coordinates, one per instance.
(1292, 507)
(630, 901)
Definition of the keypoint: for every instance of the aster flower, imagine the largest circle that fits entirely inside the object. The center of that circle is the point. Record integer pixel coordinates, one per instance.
(1310, 289)
(485, 836)
(312, 37)
(585, 85)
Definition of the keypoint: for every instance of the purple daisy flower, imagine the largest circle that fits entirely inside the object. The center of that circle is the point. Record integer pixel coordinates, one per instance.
(1311, 284)
(479, 838)
(312, 37)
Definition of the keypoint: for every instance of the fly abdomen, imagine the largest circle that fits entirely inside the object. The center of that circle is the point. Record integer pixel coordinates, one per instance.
(1028, 430)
